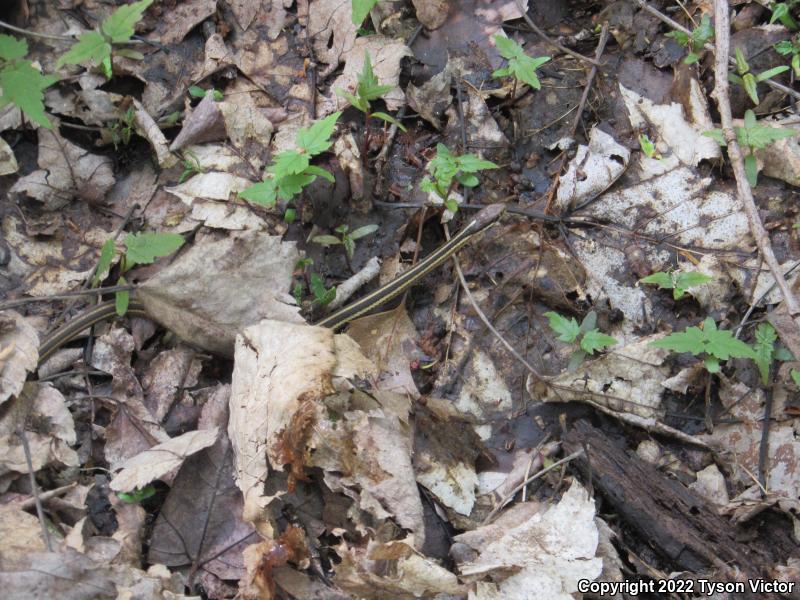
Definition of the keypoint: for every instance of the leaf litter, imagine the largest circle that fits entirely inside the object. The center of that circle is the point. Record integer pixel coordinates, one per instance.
(231, 449)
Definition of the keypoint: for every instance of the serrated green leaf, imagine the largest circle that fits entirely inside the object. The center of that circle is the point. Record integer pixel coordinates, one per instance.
(717, 136)
(679, 36)
(289, 162)
(596, 340)
(756, 135)
(144, 248)
(567, 329)
(361, 9)
(104, 263)
(662, 280)
(389, 119)
(691, 340)
(321, 295)
(507, 47)
(763, 349)
(264, 193)
(22, 85)
(784, 47)
(502, 72)
(316, 139)
(91, 47)
(690, 279)
(319, 171)
(723, 345)
(369, 88)
(363, 231)
(121, 25)
(12, 48)
(326, 240)
(470, 163)
(354, 101)
(291, 185)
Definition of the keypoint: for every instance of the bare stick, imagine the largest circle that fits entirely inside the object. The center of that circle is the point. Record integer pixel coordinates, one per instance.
(34, 488)
(66, 295)
(44, 36)
(350, 286)
(745, 194)
(538, 31)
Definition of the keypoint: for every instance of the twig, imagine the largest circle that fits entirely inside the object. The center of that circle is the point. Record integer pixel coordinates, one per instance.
(348, 287)
(533, 477)
(44, 36)
(34, 488)
(677, 26)
(551, 41)
(763, 446)
(45, 496)
(66, 296)
(720, 93)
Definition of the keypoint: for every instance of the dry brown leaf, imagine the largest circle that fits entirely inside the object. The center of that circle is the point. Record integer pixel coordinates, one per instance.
(19, 353)
(199, 296)
(159, 460)
(175, 23)
(432, 13)
(8, 162)
(331, 28)
(166, 378)
(149, 130)
(66, 171)
(21, 533)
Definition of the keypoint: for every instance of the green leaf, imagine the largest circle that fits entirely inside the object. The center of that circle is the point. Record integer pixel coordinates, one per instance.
(361, 9)
(363, 231)
(691, 340)
(795, 376)
(264, 193)
(321, 295)
(750, 86)
(144, 248)
(769, 73)
(723, 345)
(104, 263)
(796, 64)
(289, 162)
(470, 163)
(679, 36)
(589, 322)
(128, 53)
(122, 299)
(784, 47)
(507, 47)
(717, 136)
(782, 354)
(319, 171)
(662, 280)
(755, 135)
(689, 279)
(389, 119)
(751, 169)
(596, 340)
(711, 363)
(22, 85)
(451, 204)
(196, 91)
(291, 185)
(121, 25)
(91, 47)
(647, 145)
(741, 62)
(12, 48)
(316, 139)
(691, 58)
(567, 329)
(369, 87)
(468, 180)
(575, 360)
(763, 349)
(349, 246)
(354, 101)
(290, 215)
(326, 240)
(137, 496)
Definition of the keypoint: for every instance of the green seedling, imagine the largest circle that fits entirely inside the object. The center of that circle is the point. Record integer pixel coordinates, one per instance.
(787, 47)
(767, 350)
(136, 496)
(520, 65)
(585, 338)
(700, 36)
(781, 11)
(21, 84)
(648, 147)
(122, 129)
(748, 80)
(367, 90)
(713, 344)
(322, 296)
(448, 170)
(346, 238)
(198, 92)
(361, 9)
(191, 166)
(140, 249)
(291, 170)
(677, 281)
(752, 136)
(95, 47)
(795, 376)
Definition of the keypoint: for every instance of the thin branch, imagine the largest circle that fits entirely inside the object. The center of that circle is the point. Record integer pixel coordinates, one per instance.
(538, 31)
(44, 36)
(745, 194)
(35, 488)
(66, 296)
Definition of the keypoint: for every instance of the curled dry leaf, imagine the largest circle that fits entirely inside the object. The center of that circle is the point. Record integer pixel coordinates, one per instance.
(8, 162)
(179, 20)
(535, 551)
(159, 460)
(149, 130)
(19, 353)
(199, 295)
(330, 25)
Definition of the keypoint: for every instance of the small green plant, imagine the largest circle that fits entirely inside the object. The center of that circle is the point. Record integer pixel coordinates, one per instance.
(322, 296)
(291, 170)
(748, 80)
(140, 249)
(122, 129)
(711, 343)
(764, 350)
(448, 170)
(677, 281)
(787, 47)
(22, 84)
(191, 166)
(346, 238)
(586, 338)
(795, 376)
(781, 12)
(196, 91)
(520, 65)
(367, 90)
(700, 36)
(648, 147)
(136, 496)
(95, 46)
(361, 9)
(753, 136)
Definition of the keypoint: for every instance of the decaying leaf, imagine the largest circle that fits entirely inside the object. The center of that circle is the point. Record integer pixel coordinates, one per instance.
(19, 353)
